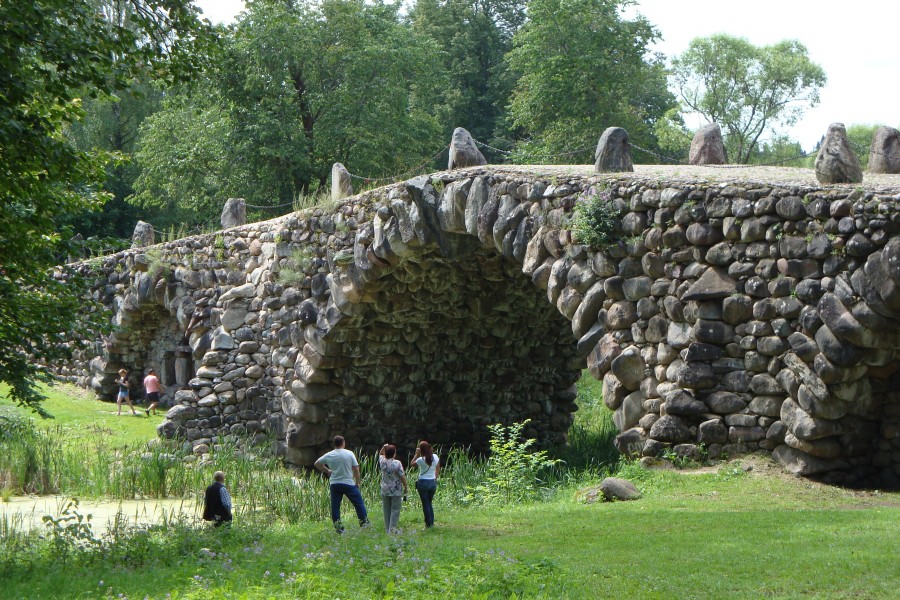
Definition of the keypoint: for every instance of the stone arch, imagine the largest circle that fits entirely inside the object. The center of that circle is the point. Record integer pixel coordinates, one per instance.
(150, 321)
(431, 330)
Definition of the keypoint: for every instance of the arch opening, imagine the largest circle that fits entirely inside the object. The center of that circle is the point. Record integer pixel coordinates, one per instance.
(439, 349)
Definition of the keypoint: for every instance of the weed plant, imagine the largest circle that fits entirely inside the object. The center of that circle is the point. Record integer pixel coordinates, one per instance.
(596, 220)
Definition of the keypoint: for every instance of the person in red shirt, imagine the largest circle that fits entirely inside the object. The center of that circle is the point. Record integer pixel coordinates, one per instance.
(152, 386)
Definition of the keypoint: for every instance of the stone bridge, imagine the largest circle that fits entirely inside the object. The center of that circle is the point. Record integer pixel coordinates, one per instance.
(738, 309)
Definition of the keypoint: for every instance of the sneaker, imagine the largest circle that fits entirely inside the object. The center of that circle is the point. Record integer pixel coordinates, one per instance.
(147, 411)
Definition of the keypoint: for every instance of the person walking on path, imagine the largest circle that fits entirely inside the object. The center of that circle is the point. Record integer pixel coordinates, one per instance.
(393, 486)
(151, 384)
(123, 394)
(217, 502)
(342, 469)
(429, 469)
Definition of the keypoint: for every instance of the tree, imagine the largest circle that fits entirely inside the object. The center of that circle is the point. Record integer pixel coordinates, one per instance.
(54, 53)
(184, 171)
(474, 37)
(748, 90)
(112, 124)
(301, 85)
(584, 68)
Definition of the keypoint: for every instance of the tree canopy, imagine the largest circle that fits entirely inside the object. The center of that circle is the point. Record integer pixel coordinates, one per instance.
(748, 90)
(584, 68)
(300, 86)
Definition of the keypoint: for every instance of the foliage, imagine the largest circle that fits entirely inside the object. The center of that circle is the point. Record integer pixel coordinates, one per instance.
(299, 262)
(781, 151)
(299, 86)
(749, 91)
(474, 37)
(596, 220)
(52, 53)
(584, 68)
(590, 448)
(184, 173)
(673, 137)
(513, 470)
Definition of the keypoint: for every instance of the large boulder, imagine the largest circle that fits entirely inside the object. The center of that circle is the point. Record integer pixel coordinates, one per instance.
(836, 162)
(143, 235)
(613, 154)
(341, 185)
(884, 155)
(234, 213)
(463, 151)
(615, 488)
(707, 147)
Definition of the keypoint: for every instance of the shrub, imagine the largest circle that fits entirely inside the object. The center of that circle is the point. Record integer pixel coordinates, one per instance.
(596, 219)
(512, 473)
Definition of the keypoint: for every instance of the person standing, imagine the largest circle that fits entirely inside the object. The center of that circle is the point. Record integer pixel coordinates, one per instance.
(153, 387)
(217, 502)
(124, 395)
(429, 468)
(342, 469)
(393, 486)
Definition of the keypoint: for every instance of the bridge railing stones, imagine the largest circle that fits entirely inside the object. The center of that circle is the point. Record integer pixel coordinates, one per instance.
(740, 317)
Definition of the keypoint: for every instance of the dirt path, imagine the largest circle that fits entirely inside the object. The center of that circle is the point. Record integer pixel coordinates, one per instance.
(26, 512)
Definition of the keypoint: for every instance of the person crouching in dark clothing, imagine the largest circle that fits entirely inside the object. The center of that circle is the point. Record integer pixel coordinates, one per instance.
(217, 504)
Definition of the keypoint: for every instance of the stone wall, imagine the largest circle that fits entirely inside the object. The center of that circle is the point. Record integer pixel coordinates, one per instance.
(738, 316)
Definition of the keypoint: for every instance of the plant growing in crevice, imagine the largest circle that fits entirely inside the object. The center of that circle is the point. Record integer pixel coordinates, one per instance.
(219, 245)
(596, 220)
(294, 271)
(157, 267)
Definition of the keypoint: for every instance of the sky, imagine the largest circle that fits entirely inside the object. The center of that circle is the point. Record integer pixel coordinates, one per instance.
(855, 43)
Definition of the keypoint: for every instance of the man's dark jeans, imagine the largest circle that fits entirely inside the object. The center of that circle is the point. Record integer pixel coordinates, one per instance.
(338, 491)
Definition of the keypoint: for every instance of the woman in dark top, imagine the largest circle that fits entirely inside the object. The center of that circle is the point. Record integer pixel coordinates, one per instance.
(124, 394)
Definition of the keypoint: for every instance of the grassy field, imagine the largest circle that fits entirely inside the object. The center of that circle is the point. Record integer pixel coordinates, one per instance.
(741, 529)
(725, 533)
(80, 415)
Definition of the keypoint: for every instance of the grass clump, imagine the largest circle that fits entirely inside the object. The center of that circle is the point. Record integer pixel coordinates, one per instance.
(297, 265)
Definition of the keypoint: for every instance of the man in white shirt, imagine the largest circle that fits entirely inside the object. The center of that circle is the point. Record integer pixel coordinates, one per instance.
(342, 469)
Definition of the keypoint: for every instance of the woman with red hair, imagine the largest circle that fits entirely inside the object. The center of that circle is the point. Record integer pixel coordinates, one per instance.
(429, 468)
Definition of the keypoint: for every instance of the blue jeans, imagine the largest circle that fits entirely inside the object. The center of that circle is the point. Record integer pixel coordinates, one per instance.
(426, 489)
(338, 491)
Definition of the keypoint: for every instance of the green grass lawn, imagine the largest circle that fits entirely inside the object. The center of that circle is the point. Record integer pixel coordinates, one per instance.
(79, 414)
(721, 534)
(743, 529)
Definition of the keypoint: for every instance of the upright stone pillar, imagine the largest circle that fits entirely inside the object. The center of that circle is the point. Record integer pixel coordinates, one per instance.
(884, 156)
(341, 185)
(836, 162)
(707, 147)
(463, 151)
(613, 154)
(234, 213)
(143, 235)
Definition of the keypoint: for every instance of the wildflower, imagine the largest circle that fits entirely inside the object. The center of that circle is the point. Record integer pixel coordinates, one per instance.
(100, 584)
(266, 574)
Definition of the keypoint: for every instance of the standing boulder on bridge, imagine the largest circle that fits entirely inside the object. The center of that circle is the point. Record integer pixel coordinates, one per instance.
(463, 151)
(613, 154)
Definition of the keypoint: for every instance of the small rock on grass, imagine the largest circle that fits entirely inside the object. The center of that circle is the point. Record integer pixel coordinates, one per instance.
(611, 488)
